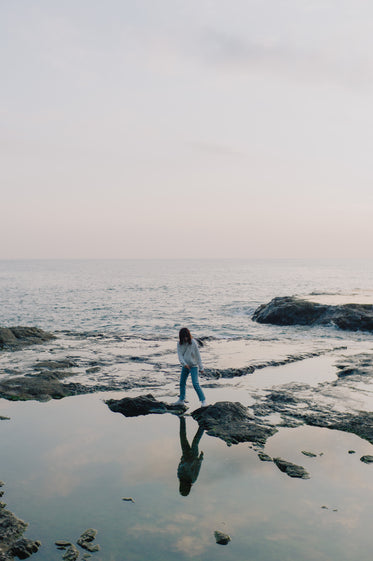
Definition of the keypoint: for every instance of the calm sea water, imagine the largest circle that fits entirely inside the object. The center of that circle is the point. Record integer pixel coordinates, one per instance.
(67, 464)
(155, 298)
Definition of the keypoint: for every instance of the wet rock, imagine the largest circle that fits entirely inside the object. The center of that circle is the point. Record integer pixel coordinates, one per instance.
(289, 310)
(264, 457)
(47, 385)
(54, 364)
(233, 423)
(141, 405)
(367, 459)
(37, 386)
(89, 535)
(292, 470)
(359, 365)
(11, 527)
(221, 538)
(11, 542)
(86, 540)
(24, 548)
(62, 544)
(301, 404)
(71, 554)
(14, 338)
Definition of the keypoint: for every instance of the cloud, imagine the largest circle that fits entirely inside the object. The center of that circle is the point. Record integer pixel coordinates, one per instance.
(236, 55)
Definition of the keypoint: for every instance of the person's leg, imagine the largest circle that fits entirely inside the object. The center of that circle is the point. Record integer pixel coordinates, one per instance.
(183, 379)
(196, 386)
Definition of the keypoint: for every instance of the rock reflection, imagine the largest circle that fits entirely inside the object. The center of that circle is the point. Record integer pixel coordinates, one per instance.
(191, 460)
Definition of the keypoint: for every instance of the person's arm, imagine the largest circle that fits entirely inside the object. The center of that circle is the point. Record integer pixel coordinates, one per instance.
(179, 354)
(199, 360)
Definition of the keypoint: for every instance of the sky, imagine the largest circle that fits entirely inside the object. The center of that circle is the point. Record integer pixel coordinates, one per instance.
(186, 129)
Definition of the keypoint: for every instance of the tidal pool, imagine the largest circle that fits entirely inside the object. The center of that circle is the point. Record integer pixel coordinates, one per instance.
(67, 465)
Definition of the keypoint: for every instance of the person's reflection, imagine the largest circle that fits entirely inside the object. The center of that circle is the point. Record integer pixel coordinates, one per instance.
(191, 460)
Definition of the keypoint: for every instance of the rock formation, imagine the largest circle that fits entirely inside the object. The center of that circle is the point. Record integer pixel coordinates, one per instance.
(289, 310)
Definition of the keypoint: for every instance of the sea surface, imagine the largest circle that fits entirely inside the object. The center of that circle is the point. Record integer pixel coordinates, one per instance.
(68, 464)
(156, 297)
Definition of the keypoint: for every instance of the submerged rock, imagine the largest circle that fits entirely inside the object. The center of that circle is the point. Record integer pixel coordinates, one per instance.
(24, 548)
(71, 554)
(233, 423)
(292, 470)
(289, 310)
(367, 459)
(17, 337)
(221, 538)
(142, 405)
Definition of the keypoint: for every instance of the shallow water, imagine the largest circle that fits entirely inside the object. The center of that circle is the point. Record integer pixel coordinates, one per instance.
(67, 465)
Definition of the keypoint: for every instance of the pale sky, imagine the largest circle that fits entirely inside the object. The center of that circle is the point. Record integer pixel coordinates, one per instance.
(186, 128)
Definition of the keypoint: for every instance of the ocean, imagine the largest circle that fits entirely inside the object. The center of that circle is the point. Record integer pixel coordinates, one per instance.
(67, 464)
(155, 297)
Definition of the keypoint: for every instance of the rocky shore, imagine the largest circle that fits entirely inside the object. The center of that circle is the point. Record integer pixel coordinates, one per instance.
(12, 544)
(288, 310)
(294, 405)
(18, 337)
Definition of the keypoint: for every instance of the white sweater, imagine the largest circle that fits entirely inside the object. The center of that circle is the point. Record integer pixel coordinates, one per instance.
(189, 354)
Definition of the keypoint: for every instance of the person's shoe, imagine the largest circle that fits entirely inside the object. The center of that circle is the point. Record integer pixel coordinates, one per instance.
(179, 402)
(204, 403)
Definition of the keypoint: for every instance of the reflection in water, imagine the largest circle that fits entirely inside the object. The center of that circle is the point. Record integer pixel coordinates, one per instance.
(191, 460)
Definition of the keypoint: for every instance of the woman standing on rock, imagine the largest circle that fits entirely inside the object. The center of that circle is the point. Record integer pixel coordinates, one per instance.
(190, 360)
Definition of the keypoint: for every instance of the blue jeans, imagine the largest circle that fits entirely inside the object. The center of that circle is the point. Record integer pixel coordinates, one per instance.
(183, 378)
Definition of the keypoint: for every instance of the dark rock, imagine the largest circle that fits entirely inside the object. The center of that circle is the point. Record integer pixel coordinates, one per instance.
(233, 423)
(62, 544)
(142, 405)
(292, 470)
(309, 454)
(86, 540)
(264, 457)
(18, 337)
(289, 310)
(367, 459)
(221, 538)
(24, 548)
(47, 385)
(282, 397)
(54, 364)
(360, 423)
(71, 554)
(11, 527)
(351, 452)
(88, 536)
(11, 541)
(359, 365)
(38, 386)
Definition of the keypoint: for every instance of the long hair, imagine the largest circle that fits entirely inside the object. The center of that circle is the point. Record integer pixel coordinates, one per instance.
(185, 336)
